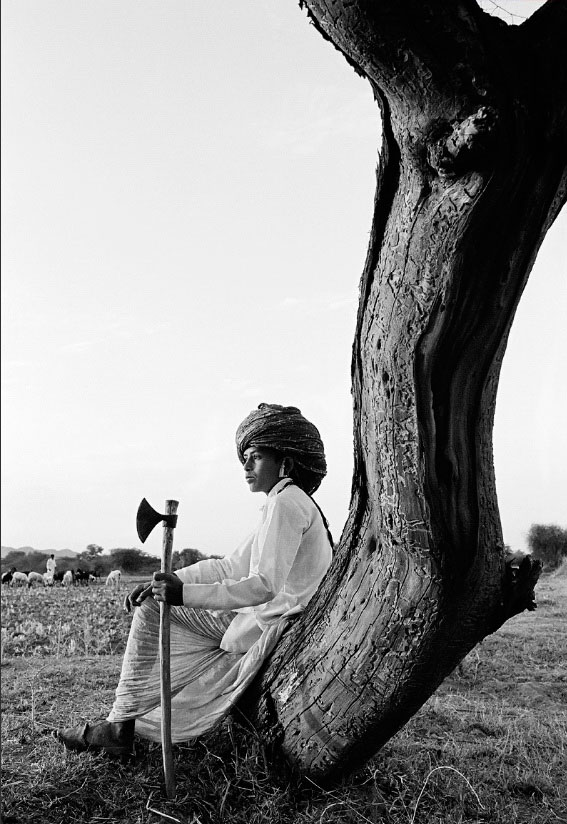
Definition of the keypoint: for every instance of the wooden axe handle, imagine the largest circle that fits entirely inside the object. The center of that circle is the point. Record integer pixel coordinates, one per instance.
(164, 643)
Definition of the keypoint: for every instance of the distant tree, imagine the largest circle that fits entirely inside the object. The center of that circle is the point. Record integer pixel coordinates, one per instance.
(188, 556)
(133, 560)
(548, 543)
(35, 561)
(15, 558)
(93, 551)
(32, 561)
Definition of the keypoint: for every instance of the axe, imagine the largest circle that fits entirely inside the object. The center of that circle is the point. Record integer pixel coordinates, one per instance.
(146, 519)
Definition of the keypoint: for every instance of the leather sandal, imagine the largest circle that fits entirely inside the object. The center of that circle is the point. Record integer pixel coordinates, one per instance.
(116, 739)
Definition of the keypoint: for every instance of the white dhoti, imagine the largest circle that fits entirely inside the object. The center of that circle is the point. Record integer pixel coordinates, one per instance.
(206, 681)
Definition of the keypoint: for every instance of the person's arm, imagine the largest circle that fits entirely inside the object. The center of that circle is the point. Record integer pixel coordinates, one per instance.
(168, 586)
(278, 541)
(213, 570)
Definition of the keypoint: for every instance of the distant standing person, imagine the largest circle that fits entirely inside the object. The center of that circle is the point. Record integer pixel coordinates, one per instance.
(51, 565)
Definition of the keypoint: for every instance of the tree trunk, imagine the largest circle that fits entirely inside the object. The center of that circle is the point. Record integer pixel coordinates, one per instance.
(472, 173)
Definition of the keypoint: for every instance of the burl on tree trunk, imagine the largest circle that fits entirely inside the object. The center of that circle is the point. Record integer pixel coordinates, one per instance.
(472, 173)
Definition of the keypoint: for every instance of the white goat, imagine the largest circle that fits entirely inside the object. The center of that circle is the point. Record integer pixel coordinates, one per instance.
(113, 579)
(19, 579)
(67, 579)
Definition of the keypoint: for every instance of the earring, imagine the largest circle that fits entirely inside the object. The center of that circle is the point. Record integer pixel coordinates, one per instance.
(282, 470)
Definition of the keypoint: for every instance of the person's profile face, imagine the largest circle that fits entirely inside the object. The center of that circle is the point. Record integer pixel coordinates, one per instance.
(261, 469)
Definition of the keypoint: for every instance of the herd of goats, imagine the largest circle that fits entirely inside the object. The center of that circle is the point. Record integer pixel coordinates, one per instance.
(70, 577)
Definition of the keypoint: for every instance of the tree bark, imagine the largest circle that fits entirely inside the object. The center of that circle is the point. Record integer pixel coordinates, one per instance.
(472, 173)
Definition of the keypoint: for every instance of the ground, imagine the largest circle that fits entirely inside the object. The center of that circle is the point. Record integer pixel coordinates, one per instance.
(489, 746)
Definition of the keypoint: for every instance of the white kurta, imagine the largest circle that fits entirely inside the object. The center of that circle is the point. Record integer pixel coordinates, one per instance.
(236, 610)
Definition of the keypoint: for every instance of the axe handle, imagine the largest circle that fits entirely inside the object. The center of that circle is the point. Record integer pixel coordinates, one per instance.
(165, 673)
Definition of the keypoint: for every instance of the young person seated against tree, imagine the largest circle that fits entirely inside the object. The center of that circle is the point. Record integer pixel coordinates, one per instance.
(227, 613)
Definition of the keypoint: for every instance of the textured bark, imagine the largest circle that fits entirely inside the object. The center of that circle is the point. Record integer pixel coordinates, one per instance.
(472, 173)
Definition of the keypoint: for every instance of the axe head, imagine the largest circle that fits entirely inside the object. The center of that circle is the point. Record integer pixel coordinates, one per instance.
(146, 519)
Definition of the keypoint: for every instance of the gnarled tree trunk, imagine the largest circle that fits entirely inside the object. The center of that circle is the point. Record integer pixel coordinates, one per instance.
(472, 172)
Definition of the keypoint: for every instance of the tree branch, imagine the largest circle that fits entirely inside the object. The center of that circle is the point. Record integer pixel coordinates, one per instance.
(415, 51)
(520, 580)
(544, 31)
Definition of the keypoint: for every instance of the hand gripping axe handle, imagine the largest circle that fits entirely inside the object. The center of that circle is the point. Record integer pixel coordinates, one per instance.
(146, 520)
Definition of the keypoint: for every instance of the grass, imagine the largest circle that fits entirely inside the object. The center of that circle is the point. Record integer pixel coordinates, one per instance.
(489, 746)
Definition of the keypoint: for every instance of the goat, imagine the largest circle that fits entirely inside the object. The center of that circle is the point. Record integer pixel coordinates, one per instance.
(68, 578)
(82, 577)
(113, 579)
(7, 576)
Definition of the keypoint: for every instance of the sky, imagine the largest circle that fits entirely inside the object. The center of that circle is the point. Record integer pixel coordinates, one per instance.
(187, 195)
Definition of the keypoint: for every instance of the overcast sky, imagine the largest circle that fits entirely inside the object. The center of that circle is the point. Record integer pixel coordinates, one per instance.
(187, 196)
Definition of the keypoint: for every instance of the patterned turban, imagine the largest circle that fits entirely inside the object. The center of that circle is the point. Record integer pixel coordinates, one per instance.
(284, 429)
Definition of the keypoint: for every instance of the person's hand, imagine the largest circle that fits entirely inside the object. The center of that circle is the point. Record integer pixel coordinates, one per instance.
(138, 594)
(168, 588)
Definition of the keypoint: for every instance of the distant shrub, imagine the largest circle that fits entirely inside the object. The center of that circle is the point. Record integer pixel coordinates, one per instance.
(548, 543)
(133, 560)
(16, 557)
(187, 557)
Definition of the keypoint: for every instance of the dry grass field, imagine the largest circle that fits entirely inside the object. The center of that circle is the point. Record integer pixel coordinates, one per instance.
(489, 746)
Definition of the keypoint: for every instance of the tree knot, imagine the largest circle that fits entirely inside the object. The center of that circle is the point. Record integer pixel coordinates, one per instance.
(521, 573)
(459, 147)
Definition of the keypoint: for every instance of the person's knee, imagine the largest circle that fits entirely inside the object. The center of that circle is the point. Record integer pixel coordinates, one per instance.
(147, 614)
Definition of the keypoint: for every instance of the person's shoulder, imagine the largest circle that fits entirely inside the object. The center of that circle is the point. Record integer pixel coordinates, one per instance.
(293, 498)
(293, 492)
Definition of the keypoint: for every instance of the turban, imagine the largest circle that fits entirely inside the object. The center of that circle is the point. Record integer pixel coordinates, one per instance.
(284, 429)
